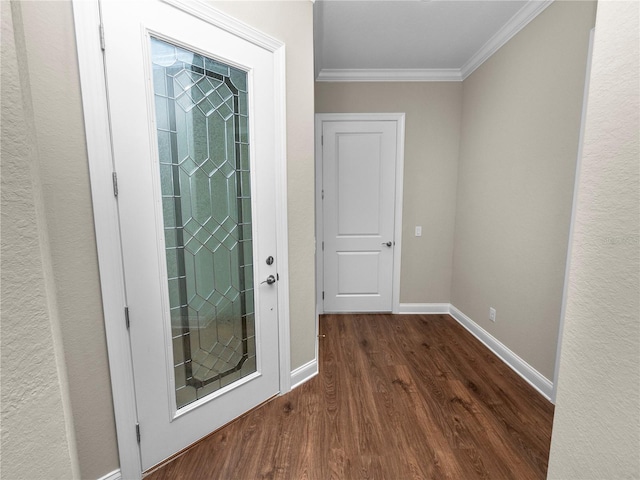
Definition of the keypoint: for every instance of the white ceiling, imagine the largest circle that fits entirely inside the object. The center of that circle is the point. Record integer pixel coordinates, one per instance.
(438, 35)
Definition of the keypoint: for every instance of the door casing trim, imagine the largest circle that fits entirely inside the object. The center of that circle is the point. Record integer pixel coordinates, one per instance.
(399, 118)
(97, 130)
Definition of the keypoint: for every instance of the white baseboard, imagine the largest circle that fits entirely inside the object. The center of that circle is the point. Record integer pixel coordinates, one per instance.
(115, 475)
(304, 373)
(518, 365)
(425, 308)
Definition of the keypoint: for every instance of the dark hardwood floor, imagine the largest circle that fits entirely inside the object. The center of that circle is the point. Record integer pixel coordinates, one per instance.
(397, 397)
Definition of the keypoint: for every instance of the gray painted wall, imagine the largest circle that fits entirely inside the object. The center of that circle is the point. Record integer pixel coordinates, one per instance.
(518, 152)
(432, 138)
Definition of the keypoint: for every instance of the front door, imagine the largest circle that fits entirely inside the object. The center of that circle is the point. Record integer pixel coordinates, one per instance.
(359, 204)
(193, 132)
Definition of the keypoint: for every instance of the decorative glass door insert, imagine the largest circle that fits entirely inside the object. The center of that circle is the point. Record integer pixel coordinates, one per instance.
(203, 145)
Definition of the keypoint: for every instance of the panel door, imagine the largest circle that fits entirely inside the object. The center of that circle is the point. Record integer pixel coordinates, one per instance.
(358, 161)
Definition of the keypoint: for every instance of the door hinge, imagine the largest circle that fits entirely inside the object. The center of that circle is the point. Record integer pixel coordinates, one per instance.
(323, 246)
(126, 317)
(101, 27)
(322, 194)
(138, 432)
(321, 139)
(114, 177)
(323, 295)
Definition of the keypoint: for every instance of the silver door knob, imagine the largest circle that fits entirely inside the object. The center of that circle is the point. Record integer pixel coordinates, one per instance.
(388, 244)
(270, 280)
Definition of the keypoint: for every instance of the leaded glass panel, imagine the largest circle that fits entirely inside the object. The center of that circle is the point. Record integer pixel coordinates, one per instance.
(203, 145)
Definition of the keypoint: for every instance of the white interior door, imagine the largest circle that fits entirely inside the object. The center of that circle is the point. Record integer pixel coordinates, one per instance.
(193, 132)
(359, 190)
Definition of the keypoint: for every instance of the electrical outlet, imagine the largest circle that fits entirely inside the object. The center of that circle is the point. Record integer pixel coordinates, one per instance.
(492, 314)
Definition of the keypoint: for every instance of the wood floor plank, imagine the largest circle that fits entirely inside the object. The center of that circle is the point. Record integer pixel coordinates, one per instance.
(397, 397)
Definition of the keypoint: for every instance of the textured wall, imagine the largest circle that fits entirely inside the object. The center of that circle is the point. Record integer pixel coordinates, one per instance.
(292, 23)
(596, 429)
(37, 429)
(519, 143)
(433, 116)
(59, 134)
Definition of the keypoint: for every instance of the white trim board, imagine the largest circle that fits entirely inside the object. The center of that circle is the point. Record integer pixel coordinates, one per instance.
(304, 373)
(516, 23)
(424, 308)
(115, 475)
(390, 75)
(97, 131)
(574, 203)
(518, 365)
(203, 11)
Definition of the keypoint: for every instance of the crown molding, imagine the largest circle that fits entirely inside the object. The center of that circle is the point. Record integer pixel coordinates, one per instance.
(390, 75)
(520, 20)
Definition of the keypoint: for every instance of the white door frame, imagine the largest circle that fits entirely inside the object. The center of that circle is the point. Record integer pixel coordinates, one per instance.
(105, 207)
(399, 118)
(574, 203)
